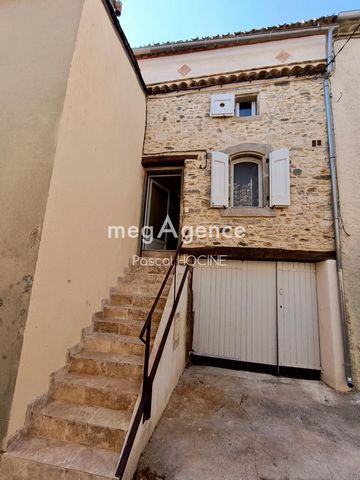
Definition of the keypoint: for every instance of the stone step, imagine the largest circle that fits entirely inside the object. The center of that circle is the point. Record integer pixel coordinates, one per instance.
(107, 364)
(143, 301)
(136, 288)
(143, 278)
(121, 326)
(92, 426)
(108, 392)
(47, 459)
(147, 267)
(130, 313)
(158, 254)
(113, 343)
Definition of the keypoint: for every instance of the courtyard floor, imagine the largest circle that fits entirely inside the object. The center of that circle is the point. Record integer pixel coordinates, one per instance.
(230, 425)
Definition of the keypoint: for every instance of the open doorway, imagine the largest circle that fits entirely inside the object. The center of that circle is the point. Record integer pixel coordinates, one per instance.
(162, 210)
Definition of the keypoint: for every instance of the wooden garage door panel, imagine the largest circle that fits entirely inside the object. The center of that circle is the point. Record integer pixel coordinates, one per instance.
(235, 311)
(297, 315)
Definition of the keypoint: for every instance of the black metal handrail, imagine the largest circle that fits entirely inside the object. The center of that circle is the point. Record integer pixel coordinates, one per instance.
(144, 407)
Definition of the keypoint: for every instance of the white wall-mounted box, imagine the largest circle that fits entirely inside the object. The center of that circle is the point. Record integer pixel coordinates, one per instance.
(222, 105)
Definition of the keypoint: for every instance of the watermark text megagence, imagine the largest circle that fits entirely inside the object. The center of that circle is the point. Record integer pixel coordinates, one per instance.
(187, 233)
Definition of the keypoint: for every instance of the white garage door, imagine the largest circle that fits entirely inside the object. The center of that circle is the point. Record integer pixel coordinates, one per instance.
(259, 312)
(297, 315)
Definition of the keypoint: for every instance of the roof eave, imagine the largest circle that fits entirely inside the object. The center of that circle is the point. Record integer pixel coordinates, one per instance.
(244, 39)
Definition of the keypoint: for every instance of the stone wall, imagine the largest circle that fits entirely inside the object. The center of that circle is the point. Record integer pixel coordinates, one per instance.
(291, 115)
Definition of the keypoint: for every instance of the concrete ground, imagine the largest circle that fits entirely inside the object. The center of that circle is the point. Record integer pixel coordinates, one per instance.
(222, 424)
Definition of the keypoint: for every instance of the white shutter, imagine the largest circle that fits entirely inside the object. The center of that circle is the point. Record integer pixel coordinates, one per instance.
(219, 180)
(279, 178)
(222, 105)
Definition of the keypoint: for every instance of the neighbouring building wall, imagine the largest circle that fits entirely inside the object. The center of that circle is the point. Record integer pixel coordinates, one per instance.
(36, 43)
(97, 181)
(291, 116)
(223, 60)
(346, 109)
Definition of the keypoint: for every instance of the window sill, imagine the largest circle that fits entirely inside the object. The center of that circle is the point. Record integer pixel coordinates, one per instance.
(247, 119)
(248, 212)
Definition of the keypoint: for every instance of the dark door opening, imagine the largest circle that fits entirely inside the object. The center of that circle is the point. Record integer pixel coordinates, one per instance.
(162, 212)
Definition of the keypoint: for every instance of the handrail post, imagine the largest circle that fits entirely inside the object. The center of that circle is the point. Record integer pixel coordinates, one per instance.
(174, 281)
(147, 382)
(148, 402)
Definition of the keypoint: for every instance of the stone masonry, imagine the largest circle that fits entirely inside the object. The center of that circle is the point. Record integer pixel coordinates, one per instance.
(291, 115)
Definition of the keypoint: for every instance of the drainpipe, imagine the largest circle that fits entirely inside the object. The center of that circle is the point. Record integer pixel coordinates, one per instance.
(335, 207)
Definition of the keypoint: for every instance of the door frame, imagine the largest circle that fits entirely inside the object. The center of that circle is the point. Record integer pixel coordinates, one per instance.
(147, 212)
(159, 171)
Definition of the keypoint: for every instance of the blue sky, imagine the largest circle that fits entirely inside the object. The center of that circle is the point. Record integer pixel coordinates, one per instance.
(153, 21)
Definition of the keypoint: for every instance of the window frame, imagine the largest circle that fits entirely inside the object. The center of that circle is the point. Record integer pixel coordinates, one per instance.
(247, 158)
(253, 99)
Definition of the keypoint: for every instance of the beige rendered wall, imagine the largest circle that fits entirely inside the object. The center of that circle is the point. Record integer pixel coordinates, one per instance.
(331, 347)
(346, 109)
(232, 59)
(37, 39)
(97, 181)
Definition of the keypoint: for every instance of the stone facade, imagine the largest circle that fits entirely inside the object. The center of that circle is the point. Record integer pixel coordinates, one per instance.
(291, 115)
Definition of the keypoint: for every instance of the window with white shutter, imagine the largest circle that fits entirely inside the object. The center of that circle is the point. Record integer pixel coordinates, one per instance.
(279, 169)
(219, 180)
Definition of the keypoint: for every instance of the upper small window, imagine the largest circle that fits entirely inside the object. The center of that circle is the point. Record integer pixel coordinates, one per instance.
(245, 107)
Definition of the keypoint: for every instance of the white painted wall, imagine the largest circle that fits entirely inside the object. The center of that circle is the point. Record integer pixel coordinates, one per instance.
(232, 59)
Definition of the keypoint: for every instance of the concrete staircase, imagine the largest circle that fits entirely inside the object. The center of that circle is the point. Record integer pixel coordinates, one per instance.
(77, 430)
